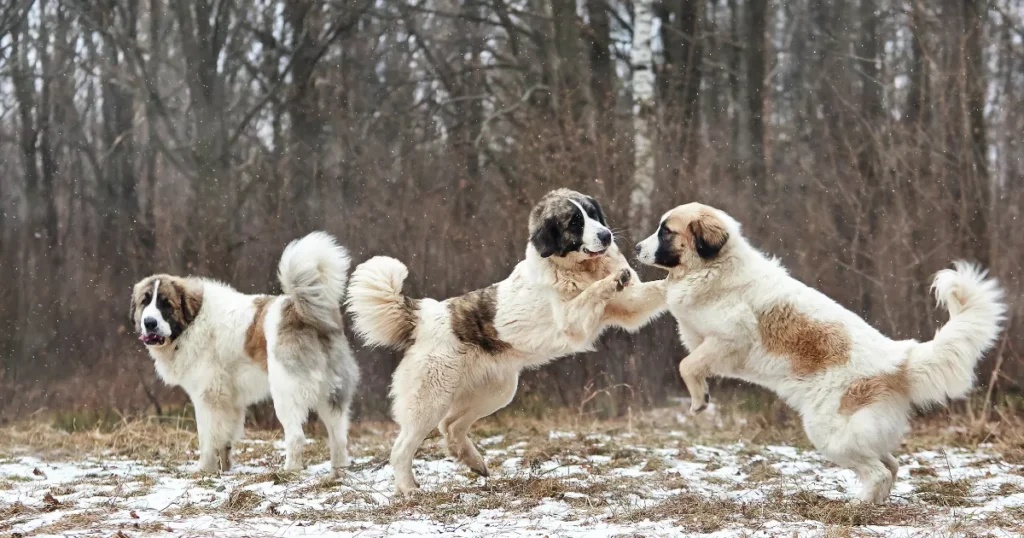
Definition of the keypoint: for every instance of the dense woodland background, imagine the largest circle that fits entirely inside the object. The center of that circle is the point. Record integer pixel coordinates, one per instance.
(866, 143)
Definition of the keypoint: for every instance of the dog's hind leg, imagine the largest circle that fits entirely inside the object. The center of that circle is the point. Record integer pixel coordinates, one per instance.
(890, 463)
(419, 404)
(410, 437)
(334, 412)
(876, 480)
(469, 407)
(711, 355)
(293, 396)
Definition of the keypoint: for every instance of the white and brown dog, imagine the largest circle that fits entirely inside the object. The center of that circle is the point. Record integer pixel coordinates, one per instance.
(229, 350)
(463, 355)
(742, 316)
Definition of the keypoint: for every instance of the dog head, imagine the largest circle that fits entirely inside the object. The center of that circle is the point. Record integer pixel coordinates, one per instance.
(688, 237)
(569, 225)
(163, 306)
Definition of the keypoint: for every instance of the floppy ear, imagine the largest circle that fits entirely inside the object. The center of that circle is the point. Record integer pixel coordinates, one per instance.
(597, 208)
(191, 302)
(709, 236)
(545, 239)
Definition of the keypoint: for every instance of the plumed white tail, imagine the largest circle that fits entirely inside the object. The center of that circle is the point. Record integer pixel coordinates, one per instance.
(381, 314)
(313, 271)
(944, 367)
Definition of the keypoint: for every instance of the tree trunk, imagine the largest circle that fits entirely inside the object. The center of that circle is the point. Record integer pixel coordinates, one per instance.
(202, 31)
(867, 161)
(917, 96)
(979, 192)
(757, 12)
(681, 28)
(643, 120)
(307, 123)
(572, 92)
(602, 66)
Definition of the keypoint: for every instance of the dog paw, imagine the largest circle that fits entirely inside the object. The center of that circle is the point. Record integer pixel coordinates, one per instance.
(696, 406)
(406, 489)
(623, 279)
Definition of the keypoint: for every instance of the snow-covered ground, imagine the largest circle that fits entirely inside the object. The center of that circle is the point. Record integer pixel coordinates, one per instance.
(543, 483)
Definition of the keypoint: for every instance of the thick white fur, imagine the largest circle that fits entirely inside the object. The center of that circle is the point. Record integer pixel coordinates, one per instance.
(376, 294)
(715, 305)
(208, 360)
(314, 270)
(547, 308)
(944, 367)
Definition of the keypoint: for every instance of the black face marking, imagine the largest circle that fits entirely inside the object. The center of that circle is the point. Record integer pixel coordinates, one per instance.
(167, 312)
(473, 320)
(666, 255)
(594, 210)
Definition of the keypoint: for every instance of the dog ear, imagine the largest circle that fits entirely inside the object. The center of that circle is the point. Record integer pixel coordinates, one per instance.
(191, 302)
(597, 208)
(545, 239)
(709, 236)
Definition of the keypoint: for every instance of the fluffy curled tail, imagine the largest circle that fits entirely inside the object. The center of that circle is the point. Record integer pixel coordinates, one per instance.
(313, 271)
(381, 314)
(944, 367)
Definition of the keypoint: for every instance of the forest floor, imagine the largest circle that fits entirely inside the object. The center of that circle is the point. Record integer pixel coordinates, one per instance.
(659, 473)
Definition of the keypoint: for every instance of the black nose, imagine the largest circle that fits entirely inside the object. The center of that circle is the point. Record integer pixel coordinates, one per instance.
(605, 237)
(150, 324)
(638, 249)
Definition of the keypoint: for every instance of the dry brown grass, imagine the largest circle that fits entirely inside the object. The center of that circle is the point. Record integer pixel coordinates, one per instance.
(169, 445)
(77, 521)
(945, 492)
(698, 513)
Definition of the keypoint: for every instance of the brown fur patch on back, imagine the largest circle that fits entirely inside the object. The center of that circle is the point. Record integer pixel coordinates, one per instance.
(473, 319)
(255, 337)
(810, 345)
(871, 390)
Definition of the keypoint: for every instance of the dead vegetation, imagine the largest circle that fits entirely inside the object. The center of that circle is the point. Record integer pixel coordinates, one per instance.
(703, 474)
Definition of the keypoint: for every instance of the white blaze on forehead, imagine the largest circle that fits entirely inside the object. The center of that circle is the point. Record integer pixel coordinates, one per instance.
(591, 228)
(152, 311)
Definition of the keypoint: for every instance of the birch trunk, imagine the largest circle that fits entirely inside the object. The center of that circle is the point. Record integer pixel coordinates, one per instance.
(643, 116)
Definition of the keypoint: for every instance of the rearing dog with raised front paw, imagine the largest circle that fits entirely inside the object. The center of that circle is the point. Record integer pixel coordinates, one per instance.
(742, 316)
(463, 355)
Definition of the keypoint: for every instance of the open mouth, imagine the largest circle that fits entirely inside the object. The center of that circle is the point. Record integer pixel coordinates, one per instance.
(594, 253)
(152, 339)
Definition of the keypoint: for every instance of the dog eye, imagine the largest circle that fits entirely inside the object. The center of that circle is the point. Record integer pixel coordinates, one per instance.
(147, 297)
(162, 301)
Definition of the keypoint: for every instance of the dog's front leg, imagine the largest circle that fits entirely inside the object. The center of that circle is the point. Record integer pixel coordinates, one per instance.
(219, 422)
(636, 304)
(208, 460)
(584, 314)
(698, 366)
